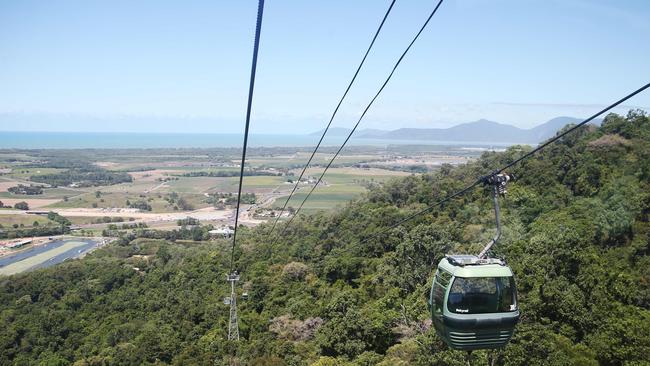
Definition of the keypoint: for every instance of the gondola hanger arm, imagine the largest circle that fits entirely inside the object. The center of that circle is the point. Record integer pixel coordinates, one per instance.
(499, 182)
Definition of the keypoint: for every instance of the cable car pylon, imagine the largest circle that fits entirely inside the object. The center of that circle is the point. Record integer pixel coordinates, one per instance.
(233, 323)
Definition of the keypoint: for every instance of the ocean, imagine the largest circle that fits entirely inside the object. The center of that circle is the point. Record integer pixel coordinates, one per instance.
(111, 140)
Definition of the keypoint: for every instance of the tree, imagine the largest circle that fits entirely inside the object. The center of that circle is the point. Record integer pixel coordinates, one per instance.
(21, 206)
(26, 190)
(577, 240)
(184, 205)
(163, 253)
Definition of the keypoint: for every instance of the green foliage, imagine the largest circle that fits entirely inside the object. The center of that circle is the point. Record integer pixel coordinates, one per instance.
(188, 221)
(29, 190)
(53, 216)
(78, 173)
(21, 206)
(576, 233)
(140, 205)
(218, 199)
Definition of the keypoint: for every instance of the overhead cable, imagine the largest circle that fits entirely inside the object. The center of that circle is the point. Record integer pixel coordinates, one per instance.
(509, 165)
(251, 87)
(302, 173)
(433, 12)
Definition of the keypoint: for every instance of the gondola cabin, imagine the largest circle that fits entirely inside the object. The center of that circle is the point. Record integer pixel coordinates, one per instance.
(473, 302)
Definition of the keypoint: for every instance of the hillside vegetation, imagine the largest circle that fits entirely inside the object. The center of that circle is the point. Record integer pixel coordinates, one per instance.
(576, 234)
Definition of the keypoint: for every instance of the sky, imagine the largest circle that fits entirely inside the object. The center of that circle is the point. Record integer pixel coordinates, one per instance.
(183, 66)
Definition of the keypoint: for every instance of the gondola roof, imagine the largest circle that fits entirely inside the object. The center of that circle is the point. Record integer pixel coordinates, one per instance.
(471, 266)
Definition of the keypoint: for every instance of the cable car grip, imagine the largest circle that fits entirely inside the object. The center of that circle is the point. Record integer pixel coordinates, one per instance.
(499, 182)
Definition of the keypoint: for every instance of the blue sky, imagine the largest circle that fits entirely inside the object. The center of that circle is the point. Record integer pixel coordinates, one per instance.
(182, 66)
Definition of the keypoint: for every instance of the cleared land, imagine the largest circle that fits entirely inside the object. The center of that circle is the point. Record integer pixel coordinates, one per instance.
(323, 198)
(163, 191)
(32, 202)
(9, 220)
(340, 186)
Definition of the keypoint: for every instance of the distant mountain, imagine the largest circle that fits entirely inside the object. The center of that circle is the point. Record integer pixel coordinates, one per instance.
(372, 131)
(333, 131)
(344, 132)
(478, 131)
(548, 129)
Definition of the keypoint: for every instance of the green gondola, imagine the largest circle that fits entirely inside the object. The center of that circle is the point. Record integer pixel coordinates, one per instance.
(473, 299)
(474, 302)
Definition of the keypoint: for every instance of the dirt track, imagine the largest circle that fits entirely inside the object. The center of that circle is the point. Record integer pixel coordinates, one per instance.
(205, 214)
(32, 202)
(202, 214)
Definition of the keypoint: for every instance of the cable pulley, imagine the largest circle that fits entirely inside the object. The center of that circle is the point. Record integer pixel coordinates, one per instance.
(499, 181)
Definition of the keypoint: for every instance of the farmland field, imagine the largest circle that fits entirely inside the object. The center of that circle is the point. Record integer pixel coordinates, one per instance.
(169, 183)
(323, 198)
(340, 186)
(24, 220)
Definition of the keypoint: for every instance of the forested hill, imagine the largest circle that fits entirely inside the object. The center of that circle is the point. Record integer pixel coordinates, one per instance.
(576, 234)
(472, 132)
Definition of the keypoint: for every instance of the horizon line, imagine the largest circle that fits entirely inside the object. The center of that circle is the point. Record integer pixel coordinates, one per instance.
(279, 134)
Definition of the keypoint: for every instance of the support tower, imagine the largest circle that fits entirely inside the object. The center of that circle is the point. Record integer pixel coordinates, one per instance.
(233, 324)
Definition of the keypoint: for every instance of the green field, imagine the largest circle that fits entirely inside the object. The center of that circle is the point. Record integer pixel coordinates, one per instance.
(158, 175)
(200, 185)
(118, 200)
(325, 198)
(223, 184)
(37, 259)
(343, 184)
(48, 193)
(299, 159)
(24, 173)
(7, 221)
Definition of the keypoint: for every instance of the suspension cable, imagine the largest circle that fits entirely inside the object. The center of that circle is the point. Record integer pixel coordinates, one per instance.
(363, 114)
(258, 30)
(507, 166)
(302, 173)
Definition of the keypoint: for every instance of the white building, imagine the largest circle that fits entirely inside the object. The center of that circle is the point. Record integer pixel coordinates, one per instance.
(223, 231)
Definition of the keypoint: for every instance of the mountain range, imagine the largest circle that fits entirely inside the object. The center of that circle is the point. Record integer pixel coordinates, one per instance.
(477, 131)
